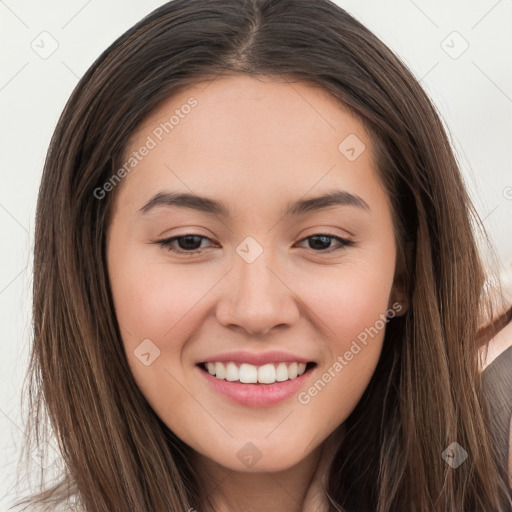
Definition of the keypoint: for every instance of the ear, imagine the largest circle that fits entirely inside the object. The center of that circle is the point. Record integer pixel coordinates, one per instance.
(399, 296)
(398, 300)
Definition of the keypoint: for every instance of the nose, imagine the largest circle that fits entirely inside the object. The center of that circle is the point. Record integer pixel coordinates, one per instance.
(256, 298)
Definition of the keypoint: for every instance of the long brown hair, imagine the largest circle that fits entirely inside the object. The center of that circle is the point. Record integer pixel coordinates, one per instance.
(426, 392)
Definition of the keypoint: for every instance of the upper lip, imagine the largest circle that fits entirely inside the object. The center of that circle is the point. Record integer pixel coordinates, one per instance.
(256, 359)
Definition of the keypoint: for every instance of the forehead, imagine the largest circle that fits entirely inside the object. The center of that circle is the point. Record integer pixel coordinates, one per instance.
(258, 135)
(252, 111)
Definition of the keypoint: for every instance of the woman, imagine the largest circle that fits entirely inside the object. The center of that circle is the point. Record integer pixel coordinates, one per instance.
(255, 281)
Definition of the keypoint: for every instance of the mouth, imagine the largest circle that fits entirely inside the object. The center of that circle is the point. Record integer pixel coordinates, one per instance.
(267, 374)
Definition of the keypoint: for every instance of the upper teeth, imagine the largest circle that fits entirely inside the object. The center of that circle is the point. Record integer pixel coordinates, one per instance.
(250, 374)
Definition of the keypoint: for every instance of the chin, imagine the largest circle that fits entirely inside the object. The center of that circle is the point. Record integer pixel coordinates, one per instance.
(257, 457)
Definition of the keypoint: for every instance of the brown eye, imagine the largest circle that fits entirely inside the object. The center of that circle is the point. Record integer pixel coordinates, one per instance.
(187, 244)
(322, 242)
(191, 243)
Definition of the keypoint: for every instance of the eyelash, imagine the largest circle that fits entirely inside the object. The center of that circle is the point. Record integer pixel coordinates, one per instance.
(166, 243)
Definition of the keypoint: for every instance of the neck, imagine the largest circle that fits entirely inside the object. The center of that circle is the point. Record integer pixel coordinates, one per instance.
(299, 488)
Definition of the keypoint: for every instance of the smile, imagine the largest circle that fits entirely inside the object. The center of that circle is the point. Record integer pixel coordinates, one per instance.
(256, 386)
(252, 374)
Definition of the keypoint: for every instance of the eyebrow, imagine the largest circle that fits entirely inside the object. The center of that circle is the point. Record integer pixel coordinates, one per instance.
(212, 206)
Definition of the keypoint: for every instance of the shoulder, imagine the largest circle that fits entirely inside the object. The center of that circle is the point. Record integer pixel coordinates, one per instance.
(496, 347)
(497, 381)
(510, 455)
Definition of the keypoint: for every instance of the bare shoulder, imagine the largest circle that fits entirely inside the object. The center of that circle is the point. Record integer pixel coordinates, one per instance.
(497, 351)
(496, 346)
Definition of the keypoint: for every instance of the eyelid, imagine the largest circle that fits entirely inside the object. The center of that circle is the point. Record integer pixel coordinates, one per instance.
(342, 240)
(334, 232)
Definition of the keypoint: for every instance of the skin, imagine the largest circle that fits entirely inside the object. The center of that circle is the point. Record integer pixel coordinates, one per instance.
(255, 144)
(488, 354)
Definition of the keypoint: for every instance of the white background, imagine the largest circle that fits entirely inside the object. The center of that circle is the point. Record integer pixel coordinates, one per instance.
(473, 93)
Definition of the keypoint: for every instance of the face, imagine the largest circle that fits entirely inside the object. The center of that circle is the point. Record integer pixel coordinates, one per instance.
(281, 293)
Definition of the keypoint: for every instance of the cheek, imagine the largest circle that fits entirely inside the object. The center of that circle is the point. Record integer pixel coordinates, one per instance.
(352, 316)
(349, 298)
(348, 303)
(157, 309)
(358, 315)
(353, 345)
(154, 301)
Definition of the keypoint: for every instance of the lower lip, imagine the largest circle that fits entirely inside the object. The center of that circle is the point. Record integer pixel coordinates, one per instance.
(257, 395)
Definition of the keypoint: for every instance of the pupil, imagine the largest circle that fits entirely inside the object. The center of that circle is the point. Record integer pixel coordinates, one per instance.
(183, 242)
(325, 239)
(190, 242)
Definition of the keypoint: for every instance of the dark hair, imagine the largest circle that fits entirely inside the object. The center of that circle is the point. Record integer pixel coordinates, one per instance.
(118, 454)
